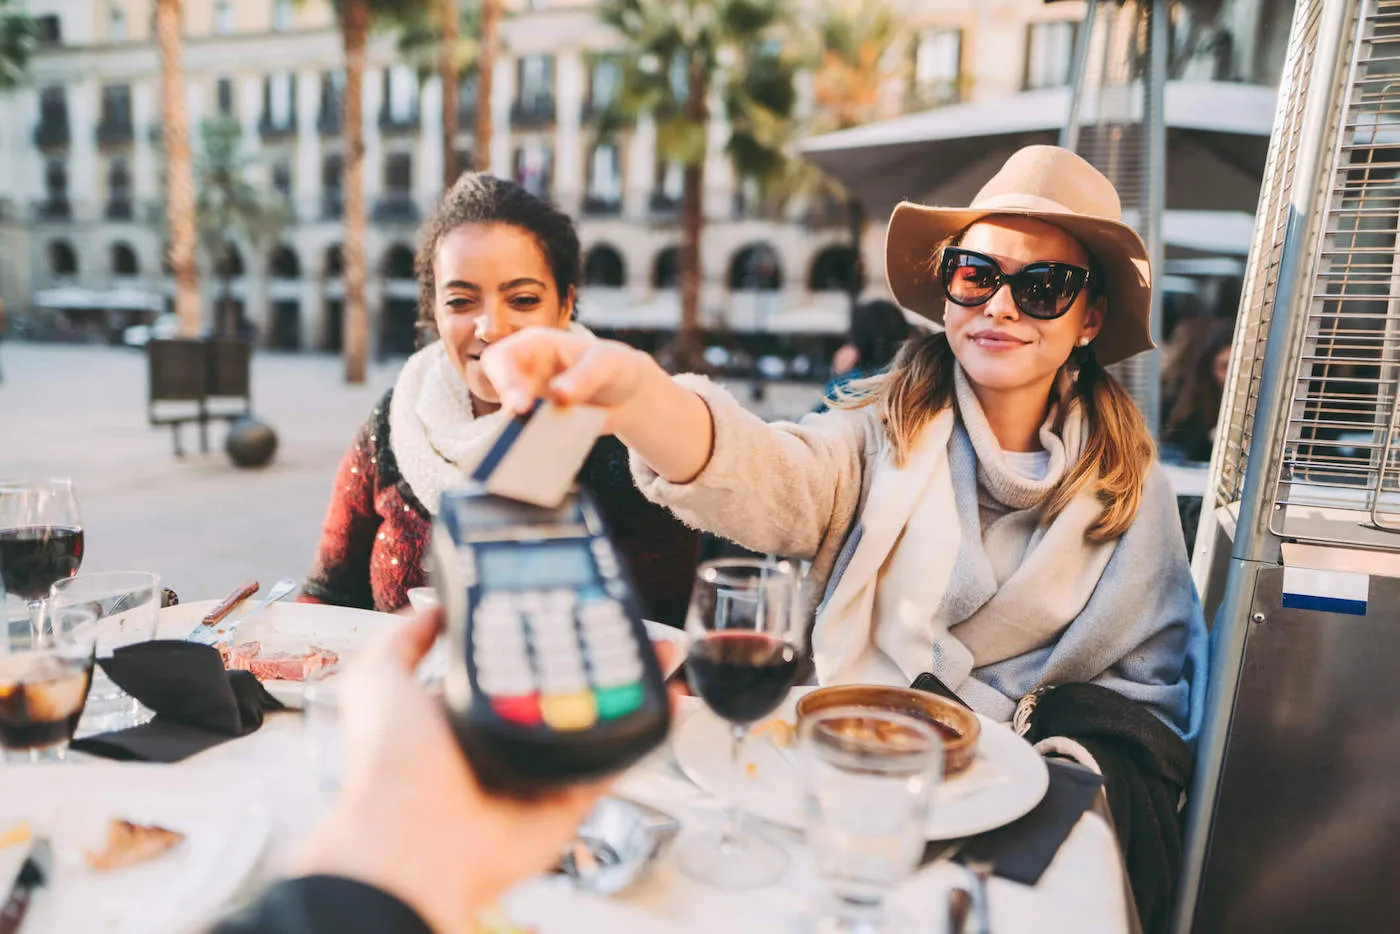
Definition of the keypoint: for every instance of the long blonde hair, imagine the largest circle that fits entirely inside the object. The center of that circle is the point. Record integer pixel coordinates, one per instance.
(1117, 453)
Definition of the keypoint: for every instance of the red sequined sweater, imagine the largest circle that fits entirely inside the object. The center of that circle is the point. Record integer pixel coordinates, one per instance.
(376, 532)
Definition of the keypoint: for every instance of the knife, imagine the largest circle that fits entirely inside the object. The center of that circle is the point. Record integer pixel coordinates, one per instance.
(210, 635)
(33, 874)
(240, 593)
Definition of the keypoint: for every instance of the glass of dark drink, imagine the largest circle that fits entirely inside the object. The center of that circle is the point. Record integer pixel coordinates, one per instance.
(41, 540)
(44, 682)
(746, 631)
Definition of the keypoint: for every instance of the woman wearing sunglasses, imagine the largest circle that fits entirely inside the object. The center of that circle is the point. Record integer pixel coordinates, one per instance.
(989, 510)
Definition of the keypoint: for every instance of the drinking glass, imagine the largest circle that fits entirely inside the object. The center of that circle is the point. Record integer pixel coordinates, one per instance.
(869, 777)
(320, 711)
(41, 540)
(44, 681)
(746, 634)
(127, 607)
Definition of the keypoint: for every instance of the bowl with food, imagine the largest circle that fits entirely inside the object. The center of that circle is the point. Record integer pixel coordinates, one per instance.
(956, 725)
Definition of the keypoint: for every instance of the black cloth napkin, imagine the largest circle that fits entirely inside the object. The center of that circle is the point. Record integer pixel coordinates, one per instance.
(1024, 848)
(197, 703)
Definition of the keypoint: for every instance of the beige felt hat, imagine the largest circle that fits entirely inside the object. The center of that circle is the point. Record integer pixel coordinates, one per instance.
(1050, 184)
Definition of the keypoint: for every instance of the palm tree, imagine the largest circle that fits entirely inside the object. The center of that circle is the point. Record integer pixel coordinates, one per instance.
(444, 39)
(679, 52)
(858, 57)
(230, 208)
(488, 51)
(179, 173)
(17, 38)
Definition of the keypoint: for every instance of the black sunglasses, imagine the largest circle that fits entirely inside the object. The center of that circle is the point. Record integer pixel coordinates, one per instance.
(1041, 290)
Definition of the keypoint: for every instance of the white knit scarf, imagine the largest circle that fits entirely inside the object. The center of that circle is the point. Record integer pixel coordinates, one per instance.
(436, 438)
(921, 587)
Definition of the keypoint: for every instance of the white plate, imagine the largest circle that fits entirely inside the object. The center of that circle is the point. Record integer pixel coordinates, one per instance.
(1006, 780)
(289, 627)
(71, 804)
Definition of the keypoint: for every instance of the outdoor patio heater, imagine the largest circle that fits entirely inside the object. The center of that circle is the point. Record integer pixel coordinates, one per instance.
(1294, 817)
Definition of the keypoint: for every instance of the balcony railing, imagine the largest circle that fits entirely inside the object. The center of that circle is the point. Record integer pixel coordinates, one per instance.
(532, 112)
(270, 129)
(55, 208)
(332, 205)
(396, 208)
(599, 206)
(119, 208)
(114, 132)
(390, 122)
(659, 203)
(51, 133)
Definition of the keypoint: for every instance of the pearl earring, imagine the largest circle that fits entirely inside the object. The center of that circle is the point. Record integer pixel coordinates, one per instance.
(1084, 342)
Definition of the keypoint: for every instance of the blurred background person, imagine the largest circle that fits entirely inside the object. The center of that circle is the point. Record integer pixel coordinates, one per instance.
(878, 330)
(1193, 381)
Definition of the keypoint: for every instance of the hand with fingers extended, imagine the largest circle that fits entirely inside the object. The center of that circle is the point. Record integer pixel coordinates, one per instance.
(668, 425)
(411, 820)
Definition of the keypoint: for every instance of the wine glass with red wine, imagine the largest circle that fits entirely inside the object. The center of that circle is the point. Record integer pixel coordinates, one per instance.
(41, 540)
(746, 634)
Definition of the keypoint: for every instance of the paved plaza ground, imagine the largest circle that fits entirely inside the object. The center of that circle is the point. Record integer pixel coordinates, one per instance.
(202, 524)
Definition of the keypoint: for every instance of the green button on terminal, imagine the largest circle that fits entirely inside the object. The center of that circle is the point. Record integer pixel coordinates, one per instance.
(619, 701)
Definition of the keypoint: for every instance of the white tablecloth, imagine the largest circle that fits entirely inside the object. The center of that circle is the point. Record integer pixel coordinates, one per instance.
(1082, 891)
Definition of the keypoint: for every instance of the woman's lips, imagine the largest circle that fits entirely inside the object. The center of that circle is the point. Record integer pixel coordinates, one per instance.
(996, 341)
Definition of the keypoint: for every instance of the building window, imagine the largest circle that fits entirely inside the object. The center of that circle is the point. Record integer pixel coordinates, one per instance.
(223, 17)
(279, 101)
(603, 82)
(62, 259)
(281, 14)
(1049, 54)
(118, 189)
(937, 66)
(116, 24)
(282, 178)
(398, 174)
(48, 30)
(534, 167)
(56, 181)
(124, 262)
(332, 102)
(605, 176)
(332, 175)
(223, 97)
(115, 125)
(670, 180)
(680, 78)
(401, 93)
(53, 117)
(536, 74)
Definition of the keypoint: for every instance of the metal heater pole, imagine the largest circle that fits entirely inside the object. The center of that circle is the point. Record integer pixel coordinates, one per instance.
(1069, 133)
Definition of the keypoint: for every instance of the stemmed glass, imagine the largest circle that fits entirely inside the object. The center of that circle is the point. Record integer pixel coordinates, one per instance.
(41, 540)
(746, 634)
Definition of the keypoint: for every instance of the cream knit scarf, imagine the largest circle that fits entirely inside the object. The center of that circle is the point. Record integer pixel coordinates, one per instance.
(437, 441)
(922, 588)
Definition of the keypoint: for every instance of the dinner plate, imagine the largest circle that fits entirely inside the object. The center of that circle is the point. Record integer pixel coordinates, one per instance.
(291, 627)
(72, 804)
(1004, 782)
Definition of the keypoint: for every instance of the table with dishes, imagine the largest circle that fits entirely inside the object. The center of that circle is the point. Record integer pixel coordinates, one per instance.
(245, 805)
(767, 807)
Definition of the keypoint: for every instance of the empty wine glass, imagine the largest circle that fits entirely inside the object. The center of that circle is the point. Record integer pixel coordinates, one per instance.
(746, 636)
(41, 540)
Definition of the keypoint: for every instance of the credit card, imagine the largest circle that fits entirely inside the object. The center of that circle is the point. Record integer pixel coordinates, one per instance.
(537, 455)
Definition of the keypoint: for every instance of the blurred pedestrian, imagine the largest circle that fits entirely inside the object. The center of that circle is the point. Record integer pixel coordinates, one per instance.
(878, 330)
(1194, 379)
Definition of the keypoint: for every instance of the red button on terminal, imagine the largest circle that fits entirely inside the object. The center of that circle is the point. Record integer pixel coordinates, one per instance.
(523, 709)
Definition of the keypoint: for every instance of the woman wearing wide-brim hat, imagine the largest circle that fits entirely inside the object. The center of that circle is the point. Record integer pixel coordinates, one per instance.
(989, 509)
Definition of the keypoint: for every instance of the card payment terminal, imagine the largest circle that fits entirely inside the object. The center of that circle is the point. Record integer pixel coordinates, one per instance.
(551, 677)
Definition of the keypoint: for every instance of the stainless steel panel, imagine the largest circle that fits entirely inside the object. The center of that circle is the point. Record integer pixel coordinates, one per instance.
(1306, 834)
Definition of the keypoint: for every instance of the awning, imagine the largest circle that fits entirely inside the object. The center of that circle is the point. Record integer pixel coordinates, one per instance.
(1217, 141)
(76, 298)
